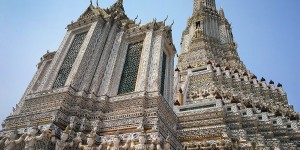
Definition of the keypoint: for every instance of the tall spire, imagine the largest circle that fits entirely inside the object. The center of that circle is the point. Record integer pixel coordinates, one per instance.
(200, 4)
(221, 12)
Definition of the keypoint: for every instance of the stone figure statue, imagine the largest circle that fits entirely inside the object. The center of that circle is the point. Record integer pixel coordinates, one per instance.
(91, 142)
(115, 142)
(197, 33)
(142, 141)
(10, 142)
(62, 143)
(167, 145)
(109, 145)
(127, 144)
(2, 140)
(156, 141)
(152, 146)
(31, 137)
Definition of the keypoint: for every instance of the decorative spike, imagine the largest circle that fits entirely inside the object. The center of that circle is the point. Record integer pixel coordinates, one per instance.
(135, 18)
(279, 85)
(140, 22)
(91, 2)
(97, 3)
(254, 77)
(221, 12)
(180, 90)
(262, 79)
(172, 24)
(177, 103)
(154, 20)
(166, 19)
(271, 82)
(177, 69)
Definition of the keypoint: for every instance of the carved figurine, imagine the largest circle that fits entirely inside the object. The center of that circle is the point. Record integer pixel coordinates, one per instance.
(153, 143)
(158, 146)
(127, 144)
(2, 140)
(91, 142)
(167, 145)
(31, 138)
(101, 146)
(62, 143)
(115, 142)
(142, 141)
(11, 142)
(197, 33)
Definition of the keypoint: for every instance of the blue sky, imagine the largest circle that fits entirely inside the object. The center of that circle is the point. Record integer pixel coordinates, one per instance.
(266, 31)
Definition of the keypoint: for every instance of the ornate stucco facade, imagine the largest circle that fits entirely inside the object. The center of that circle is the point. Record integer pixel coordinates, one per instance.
(111, 85)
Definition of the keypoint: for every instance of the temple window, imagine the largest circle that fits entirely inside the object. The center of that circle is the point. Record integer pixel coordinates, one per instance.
(131, 67)
(69, 60)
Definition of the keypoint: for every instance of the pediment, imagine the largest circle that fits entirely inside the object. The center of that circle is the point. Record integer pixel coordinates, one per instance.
(89, 12)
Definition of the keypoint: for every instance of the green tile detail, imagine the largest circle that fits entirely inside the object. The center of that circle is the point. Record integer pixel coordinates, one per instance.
(163, 74)
(69, 60)
(131, 68)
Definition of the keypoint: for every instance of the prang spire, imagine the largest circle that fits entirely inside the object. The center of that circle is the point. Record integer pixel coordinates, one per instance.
(200, 4)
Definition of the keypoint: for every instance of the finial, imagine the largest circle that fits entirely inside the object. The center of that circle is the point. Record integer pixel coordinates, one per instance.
(166, 19)
(97, 3)
(140, 22)
(177, 103)
(135, 18)
(154, 20)
(91, 2)
(120, 1)
(172, 24)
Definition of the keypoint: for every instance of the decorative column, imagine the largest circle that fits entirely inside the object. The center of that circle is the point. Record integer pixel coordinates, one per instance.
(155, 70)
(107, 79)
(141, 83)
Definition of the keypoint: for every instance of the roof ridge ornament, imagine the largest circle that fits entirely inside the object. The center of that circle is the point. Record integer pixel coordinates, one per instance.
(172, 24)
(136, 18)
(91, 2)
(166, 19)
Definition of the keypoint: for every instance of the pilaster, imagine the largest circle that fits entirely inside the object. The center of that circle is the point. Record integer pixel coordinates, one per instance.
(57, 61)
(95, 58)
(141, 84)
(101, 66)
(118, 69)
(89, 56)
(81, 53)
(107, 79)
(156, 60)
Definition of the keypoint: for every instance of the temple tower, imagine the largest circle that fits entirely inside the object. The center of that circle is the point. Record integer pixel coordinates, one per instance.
(217, 100)
(110, 75)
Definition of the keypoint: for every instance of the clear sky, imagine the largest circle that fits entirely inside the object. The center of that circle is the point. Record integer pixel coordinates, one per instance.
(266, 31)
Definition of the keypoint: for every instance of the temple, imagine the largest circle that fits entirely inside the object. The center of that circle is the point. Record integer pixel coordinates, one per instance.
(112, 85)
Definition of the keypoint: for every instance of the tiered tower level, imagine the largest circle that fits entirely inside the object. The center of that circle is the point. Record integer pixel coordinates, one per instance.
(112, 85)
(111, 79)
(218, 101)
